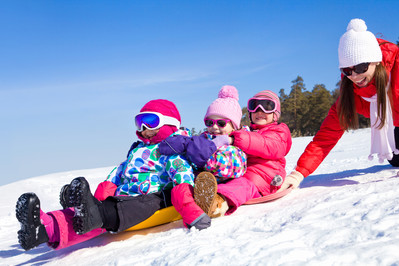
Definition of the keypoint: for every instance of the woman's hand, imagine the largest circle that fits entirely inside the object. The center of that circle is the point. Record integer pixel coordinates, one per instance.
(292, 180)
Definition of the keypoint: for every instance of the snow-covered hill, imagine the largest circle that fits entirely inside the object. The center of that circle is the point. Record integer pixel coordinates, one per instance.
(346, 213)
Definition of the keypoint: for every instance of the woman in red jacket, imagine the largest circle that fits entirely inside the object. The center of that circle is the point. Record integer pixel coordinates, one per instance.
(369, 86)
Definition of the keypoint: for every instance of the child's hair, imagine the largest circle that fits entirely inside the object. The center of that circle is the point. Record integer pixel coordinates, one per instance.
(269, 95)
(227, 106)
(166, 108)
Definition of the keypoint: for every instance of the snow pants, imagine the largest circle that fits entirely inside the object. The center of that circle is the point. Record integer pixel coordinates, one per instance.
(129, 212)
(236, 191)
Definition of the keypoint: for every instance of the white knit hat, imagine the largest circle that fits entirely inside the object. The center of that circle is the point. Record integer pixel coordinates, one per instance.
(358, 45)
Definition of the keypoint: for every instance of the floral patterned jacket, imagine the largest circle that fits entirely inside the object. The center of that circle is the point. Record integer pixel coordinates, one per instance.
(146, 170)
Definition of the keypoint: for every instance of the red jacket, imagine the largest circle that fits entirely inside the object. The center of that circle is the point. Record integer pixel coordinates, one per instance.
(266, 148)
(330, 131)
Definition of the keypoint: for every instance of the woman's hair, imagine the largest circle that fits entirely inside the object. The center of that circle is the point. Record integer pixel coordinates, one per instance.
(346, 108)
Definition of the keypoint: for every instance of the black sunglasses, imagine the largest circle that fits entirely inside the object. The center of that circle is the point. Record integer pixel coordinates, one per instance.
(358, 69)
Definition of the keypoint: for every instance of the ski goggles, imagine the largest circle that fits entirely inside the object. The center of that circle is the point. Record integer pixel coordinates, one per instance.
(266, 104)
(154, 120)
(219, 122)
(358, 69)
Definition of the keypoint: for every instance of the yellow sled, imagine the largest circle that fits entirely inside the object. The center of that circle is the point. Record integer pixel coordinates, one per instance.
(170, 214)
(162, 216)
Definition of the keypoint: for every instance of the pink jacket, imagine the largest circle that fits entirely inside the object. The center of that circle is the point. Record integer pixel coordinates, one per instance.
(266, 147)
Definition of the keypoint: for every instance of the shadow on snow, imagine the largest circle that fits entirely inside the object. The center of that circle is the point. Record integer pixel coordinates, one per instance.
(339, 178)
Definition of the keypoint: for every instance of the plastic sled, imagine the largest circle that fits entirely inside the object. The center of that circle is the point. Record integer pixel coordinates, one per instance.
(270, 197)
(162, 216)
(170, 214)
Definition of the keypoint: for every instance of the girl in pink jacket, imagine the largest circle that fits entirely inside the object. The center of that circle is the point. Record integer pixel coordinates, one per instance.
(210, 152)
(266, 146)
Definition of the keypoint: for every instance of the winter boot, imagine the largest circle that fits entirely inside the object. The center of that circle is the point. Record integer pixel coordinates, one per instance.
(206, 197)
(33, 232)
(87, 214)
(65, 194)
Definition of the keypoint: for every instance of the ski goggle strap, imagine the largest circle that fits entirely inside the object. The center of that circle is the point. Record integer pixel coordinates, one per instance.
(154, 120)
(266, 104)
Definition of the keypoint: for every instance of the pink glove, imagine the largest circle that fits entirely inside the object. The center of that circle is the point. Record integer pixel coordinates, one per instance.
(104, 190)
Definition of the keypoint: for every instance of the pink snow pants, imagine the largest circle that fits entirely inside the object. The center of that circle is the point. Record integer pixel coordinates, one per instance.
(238, 191)
(67, 236)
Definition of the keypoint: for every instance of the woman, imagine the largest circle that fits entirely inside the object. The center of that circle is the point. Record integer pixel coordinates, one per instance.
(370, 87)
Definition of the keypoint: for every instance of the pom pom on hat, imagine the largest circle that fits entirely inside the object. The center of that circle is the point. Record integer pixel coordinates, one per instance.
(357, 45)
(228, 92)
(226, 105)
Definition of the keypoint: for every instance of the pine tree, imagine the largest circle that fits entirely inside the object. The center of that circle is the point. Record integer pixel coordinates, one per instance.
(320, 102)
(294, 107)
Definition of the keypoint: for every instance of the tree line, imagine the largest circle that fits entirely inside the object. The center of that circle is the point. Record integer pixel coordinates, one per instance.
(303, 111)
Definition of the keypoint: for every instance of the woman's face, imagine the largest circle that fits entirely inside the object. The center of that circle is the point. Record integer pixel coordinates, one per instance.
(362, 80)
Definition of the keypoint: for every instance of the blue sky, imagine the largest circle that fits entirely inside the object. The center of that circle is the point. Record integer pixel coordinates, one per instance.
(74, 73)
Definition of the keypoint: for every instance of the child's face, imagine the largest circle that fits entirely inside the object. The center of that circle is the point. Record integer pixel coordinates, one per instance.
(149, 133)
(216, 130)
(261, 118)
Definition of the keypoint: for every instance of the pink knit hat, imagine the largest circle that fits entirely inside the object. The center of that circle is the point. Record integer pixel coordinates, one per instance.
(226, 105)
(166, 108)
(270, 95)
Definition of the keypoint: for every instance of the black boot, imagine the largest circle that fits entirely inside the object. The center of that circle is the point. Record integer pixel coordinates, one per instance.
(65, 194)
(33, 232)
(395, 159)
(87, 214)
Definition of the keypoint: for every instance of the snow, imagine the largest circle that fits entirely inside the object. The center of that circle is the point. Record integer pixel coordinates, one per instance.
(346, 213)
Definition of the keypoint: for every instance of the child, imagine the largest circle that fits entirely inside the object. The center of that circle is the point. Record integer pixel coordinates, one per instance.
(266, 146)
(209, 151)
(140, 186)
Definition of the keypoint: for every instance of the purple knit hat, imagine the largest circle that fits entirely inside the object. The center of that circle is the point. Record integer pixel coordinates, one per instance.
(166, 108)
(270, 95)
(226, 105)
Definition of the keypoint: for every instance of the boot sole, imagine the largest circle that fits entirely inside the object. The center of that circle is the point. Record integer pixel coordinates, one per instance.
(64, 197)
(76, 199)
(205, 189)
(32, 232)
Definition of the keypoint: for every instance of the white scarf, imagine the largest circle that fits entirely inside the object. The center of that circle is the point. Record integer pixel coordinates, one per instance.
(382, 140)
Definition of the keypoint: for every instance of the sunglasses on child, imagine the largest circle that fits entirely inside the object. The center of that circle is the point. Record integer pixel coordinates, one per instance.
(154, 120)
(219, 122)
(267, 105)
(358, 69)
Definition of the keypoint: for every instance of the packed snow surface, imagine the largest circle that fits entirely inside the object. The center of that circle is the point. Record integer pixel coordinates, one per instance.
(346, 213)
